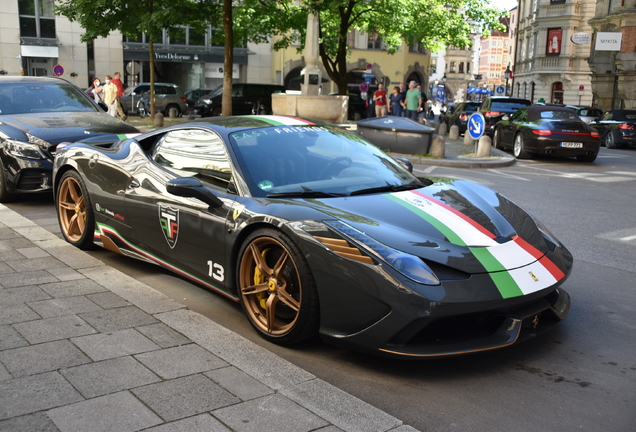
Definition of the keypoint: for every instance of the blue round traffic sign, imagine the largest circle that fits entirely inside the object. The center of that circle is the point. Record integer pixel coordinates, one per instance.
(500, 90)
(476, 125)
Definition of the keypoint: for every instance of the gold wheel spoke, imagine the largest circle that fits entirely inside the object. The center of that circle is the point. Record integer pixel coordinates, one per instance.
(260, 260)
(270, 312)
(73, 191)
(288, 299)
(254, 289)
(67, 206)
(81, 222)
(72, 224)
(280, 264)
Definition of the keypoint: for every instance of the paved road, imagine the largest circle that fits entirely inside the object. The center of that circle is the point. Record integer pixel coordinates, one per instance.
(580, 376)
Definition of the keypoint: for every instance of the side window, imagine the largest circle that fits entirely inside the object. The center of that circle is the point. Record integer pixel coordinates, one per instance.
(237, 91)
(142, 89)
(195, 153)
(520, 116)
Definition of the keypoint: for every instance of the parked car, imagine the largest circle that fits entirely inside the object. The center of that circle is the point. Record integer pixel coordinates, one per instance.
(246, 99)
(194, 95)
(446, 111)
(617, 128)
(587, 114)
(461, 113)
(495, 107)
(169, 99)
(548, 130)
(37, 114)
(314, 231)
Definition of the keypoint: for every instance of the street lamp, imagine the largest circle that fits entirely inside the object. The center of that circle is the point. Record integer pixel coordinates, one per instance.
(507, 73)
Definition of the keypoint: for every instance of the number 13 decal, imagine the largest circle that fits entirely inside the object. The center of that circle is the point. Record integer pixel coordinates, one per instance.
(216, 271)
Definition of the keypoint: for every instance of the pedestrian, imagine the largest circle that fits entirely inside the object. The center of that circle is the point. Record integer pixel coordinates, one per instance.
(379, 97)
(110, 96)
(403, 93)
(120, 93)
(423, 109)
(396, 100)
(96, 90)
(413, 101)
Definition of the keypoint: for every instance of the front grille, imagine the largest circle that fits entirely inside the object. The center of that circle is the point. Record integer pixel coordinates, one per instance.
(33, 180)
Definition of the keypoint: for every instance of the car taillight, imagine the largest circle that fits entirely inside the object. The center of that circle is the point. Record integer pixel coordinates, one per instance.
(183, 98)
(626, 126)
(491, 113)
(594, 134)
(542, 132)
(463, 116)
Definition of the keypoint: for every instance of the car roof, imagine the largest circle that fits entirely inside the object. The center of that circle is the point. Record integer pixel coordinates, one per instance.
(42, 79)
(236, 123)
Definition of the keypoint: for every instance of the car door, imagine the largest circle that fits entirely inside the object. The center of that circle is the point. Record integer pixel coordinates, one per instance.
(603, 124)
(129, 100)
(509, 129)
(183, 234)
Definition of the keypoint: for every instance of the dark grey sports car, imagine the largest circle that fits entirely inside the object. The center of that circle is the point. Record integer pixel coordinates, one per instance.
(36, 114)
(549, 130)
(315, 231)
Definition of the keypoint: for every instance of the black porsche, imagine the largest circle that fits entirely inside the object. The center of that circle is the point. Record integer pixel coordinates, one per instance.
(36, 114)
(546, 129)
(316, 231)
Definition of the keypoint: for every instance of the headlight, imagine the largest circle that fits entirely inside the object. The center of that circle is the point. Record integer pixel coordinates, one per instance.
(409, 265)
(23, 149)
(206, 101)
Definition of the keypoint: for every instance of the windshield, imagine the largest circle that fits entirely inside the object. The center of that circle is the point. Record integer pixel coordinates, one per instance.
(307, 160)
(34, 97)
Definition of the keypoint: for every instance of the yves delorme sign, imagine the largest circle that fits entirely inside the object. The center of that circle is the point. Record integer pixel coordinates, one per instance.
(176, 57)
(608, 41)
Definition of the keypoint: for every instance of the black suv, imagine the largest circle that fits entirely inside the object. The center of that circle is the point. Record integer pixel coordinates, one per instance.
(461, 113)
(246, 99)
(494, 108)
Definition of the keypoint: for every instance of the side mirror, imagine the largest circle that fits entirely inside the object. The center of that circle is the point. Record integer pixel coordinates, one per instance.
(103, 106)
(406, 164)
(189, 187)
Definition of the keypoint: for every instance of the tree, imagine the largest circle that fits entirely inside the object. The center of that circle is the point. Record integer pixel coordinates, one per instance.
(100, 17)
(431, 23)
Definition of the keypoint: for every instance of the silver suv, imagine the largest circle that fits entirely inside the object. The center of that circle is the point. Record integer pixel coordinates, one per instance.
(169, 99)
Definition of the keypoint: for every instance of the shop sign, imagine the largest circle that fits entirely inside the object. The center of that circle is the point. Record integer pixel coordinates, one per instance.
(581, 38)
(215, 70)
(176, 57)
(608, 41)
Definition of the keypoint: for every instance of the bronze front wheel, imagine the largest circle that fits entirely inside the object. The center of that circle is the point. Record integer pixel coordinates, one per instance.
(74, 211)
(276, 288)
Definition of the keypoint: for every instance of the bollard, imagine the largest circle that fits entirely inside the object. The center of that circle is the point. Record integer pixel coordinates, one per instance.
(434, 125)
(438, 146)
(443, 129)
(484, 146)
(454, 132)
(158, 120)
(468, 140)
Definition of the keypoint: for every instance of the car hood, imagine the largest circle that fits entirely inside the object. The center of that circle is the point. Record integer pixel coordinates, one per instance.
(452, 222)
(65, 127)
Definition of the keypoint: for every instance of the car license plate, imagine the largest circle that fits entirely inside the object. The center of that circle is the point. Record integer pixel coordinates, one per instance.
(571, 144)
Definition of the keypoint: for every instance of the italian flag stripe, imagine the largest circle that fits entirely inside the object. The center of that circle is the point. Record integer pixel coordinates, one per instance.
(516, 267)
(128, 135)
(283, 120)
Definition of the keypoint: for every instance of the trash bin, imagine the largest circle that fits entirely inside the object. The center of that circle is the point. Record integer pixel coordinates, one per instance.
(396, 134)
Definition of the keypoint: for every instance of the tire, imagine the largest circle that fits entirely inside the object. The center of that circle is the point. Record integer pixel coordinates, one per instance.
(75, 211)
(173, 111)
(496, 140)
(283, 307)
(610, 143)
(519, 149)
(216, 112)
(141, 110)
(5, 195)
(586, 158)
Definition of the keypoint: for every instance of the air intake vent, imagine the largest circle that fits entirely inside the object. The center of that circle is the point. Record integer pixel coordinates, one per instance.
(342, 248)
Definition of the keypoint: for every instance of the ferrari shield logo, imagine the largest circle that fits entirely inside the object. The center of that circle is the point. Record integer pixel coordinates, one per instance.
(169, 220)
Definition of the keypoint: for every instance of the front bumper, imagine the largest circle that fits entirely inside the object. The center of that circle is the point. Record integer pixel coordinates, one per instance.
(23, 175)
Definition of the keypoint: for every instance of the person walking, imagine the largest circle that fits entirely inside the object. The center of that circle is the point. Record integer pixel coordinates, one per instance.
(396, 100)
(120, 93)
(96, 90)
(379, 97)
(110, 96)
(403, 93)
(421, 112)
(413, 101)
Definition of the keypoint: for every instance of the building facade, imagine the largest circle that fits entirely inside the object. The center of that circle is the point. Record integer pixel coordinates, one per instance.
(549, 67)
(614, 70)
